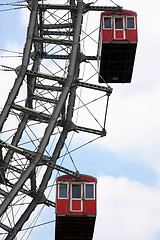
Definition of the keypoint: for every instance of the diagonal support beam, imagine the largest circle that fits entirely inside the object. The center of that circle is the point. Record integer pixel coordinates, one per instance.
(25, 61)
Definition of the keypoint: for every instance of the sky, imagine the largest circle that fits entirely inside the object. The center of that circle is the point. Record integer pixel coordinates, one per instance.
(126, 161)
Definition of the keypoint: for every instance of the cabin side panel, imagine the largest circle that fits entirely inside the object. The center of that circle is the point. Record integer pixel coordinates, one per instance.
(62, 197)
(107, 27)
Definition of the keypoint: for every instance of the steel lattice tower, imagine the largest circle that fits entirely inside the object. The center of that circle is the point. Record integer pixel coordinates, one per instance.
(39, 111)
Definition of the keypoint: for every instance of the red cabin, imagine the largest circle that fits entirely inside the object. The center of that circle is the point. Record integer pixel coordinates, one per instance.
(75, 207)
(117, 46)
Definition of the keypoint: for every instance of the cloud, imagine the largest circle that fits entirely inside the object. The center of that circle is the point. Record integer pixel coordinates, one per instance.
(126, 210)
(24, 17)
(133, 121)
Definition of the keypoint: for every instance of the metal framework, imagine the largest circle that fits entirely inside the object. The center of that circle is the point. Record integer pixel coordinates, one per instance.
(38, 114)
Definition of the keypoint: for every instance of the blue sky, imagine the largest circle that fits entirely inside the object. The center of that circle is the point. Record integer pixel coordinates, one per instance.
(126, 161)
(11, 30)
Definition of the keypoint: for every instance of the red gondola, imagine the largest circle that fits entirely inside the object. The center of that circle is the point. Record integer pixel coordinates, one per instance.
(75, 207)
(117, 46)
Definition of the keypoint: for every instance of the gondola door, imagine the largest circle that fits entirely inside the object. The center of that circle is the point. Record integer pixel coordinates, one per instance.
(76, 198)
(119, 28)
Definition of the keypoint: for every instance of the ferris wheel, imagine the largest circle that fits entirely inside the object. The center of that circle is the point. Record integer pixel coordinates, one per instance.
(50, 111)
